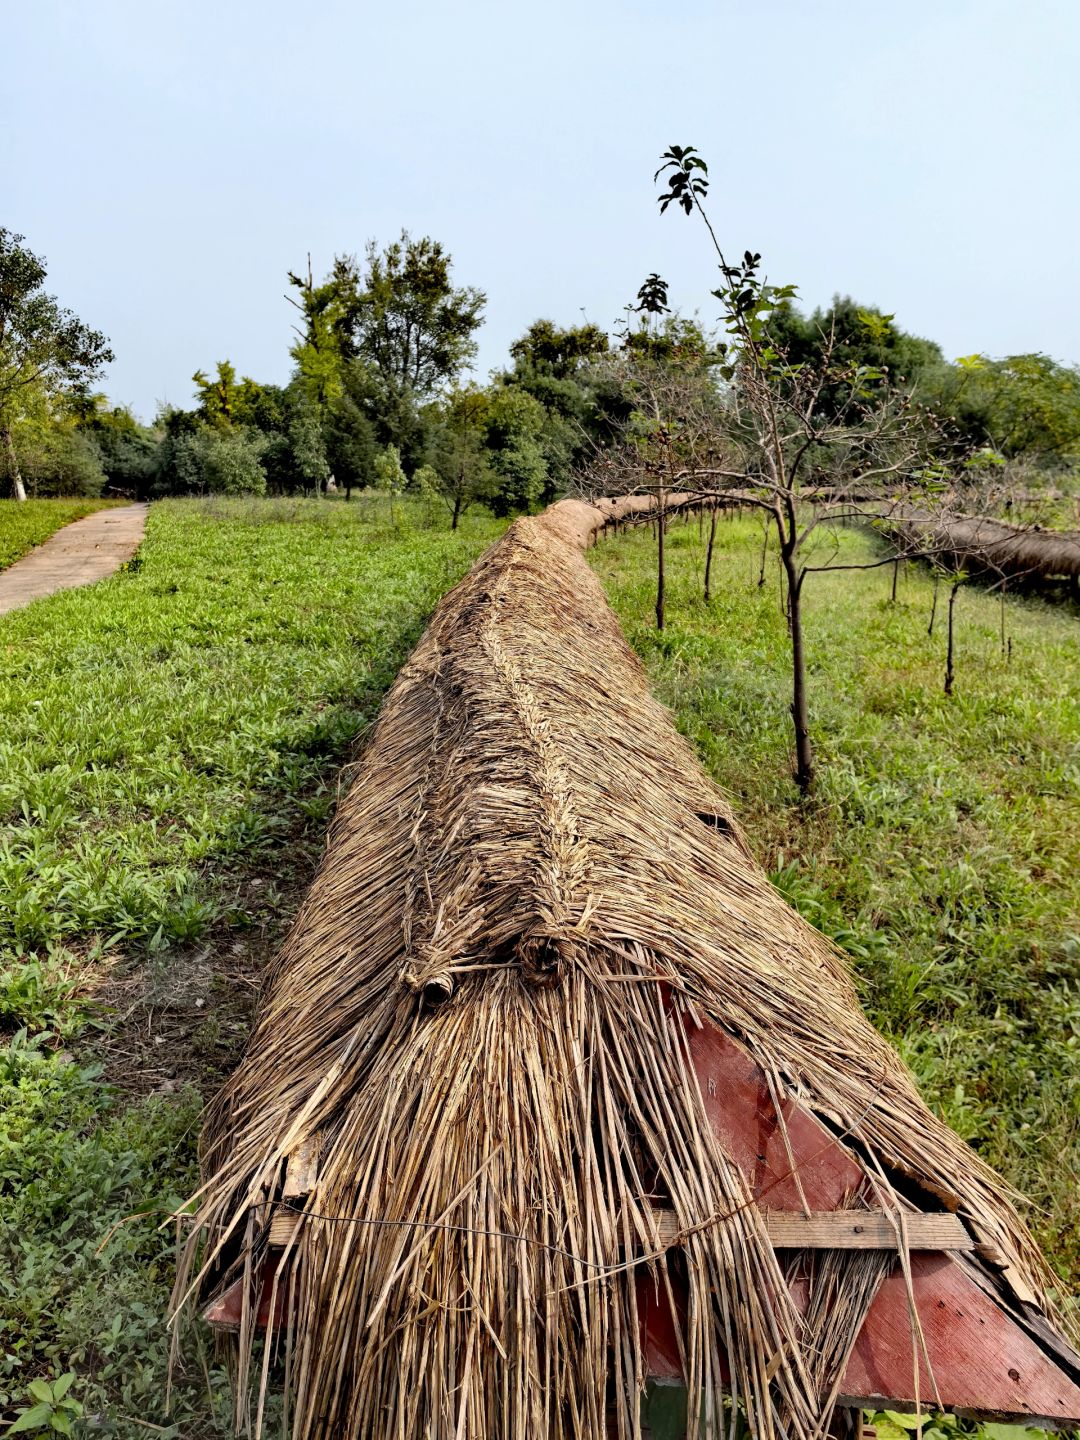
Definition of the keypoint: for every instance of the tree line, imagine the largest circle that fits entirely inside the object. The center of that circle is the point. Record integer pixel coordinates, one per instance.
(381, 392)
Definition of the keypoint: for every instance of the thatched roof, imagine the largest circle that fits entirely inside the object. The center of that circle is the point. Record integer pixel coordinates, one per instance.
(980, 544)
(476, 1043)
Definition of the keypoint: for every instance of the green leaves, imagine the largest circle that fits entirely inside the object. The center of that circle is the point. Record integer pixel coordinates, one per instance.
(652, 296)
(54, 1412)
(895, 1425)
(686, 176)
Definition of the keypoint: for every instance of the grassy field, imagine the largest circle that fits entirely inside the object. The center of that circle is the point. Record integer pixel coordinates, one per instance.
(171, 742)
(26, 524)
(170, 746)
(942, 846)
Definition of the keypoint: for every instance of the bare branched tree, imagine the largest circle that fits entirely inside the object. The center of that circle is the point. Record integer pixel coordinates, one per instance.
(676, 432)
(807, 444)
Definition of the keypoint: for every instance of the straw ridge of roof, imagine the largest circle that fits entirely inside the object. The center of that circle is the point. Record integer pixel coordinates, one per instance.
(979, 543)
(480, 1020)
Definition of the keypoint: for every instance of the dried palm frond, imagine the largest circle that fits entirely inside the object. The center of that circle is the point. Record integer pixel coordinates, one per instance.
(477, 1028)
(983, 545)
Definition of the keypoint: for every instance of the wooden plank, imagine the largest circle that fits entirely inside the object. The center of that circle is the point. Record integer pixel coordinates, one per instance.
(283, 1227)
(828, 1230)
(301, 1171)
(866, 1230)
(847, 1230)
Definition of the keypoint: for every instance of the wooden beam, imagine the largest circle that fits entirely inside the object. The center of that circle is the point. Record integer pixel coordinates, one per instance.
(826, 1230)
(866, 1230)
(848, 1230)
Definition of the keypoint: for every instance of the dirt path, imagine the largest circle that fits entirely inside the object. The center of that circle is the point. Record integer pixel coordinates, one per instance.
(80, 553)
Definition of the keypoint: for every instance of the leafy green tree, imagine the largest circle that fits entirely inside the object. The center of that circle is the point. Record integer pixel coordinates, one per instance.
(127, 450)
(461, 474)
(217, 396)
(325, 338)
(223, 400)
(378, 343)
(198, 458)
(55, 458)
(547, 349)
(559, 368)
(173, 472)
(306, 442)
(514, 428)
(853, 335)
(280, 428)
(261, 407)
(267, 411)
(411, 322)
(668, 339)
(349, 434)
(390, 477)
(43, 347)
(1024, 407)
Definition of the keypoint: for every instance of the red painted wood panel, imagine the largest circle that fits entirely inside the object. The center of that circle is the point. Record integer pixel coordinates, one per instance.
(226, 1310)
(981, 1359)
(744, 1120)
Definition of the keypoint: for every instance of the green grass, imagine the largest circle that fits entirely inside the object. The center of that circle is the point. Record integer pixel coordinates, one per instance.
(24, 524)
(942, 845)
(170, 745)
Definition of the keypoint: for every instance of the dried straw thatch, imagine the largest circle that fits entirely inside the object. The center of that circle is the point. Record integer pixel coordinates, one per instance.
(477, 1028)
(981, 545)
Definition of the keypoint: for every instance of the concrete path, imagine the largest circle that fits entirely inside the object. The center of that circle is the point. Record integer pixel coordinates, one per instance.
(80, 553)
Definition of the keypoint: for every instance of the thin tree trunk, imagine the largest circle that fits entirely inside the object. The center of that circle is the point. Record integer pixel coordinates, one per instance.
(764, 552)
(933, 607)
(800, 711)
(661, 526)
(950, 653)
(1003, 585)
(457, 512)
(895, 573)
(14, 474)
(709, 554)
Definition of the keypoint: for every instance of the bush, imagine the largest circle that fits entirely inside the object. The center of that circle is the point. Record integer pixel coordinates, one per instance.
(204, 460)
(232, 463)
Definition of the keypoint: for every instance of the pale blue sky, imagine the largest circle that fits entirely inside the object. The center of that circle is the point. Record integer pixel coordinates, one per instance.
(172, 161)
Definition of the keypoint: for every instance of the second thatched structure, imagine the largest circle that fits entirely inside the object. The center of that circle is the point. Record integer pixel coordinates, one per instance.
(985, 547)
